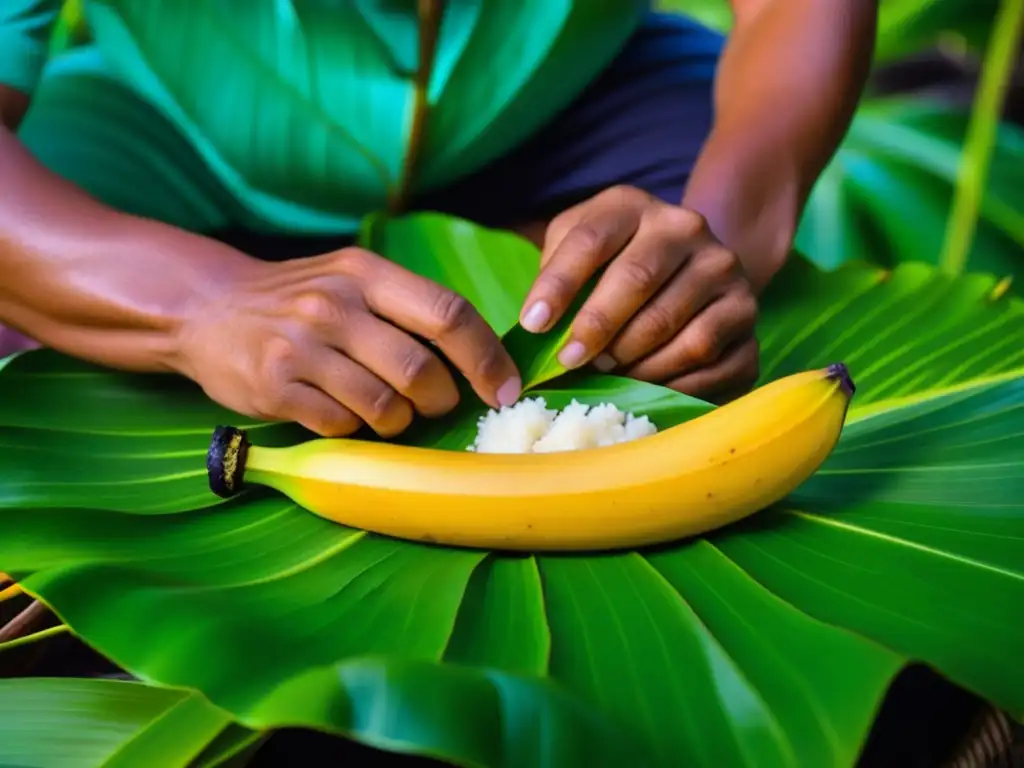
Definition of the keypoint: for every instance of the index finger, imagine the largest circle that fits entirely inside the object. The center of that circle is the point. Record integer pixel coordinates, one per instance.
(587, 246)
(451, 322)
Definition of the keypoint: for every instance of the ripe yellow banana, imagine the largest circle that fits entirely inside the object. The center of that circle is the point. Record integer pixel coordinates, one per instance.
(686, 480)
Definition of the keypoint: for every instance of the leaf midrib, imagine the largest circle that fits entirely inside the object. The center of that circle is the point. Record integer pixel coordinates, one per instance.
(858, 414)
(939, 553)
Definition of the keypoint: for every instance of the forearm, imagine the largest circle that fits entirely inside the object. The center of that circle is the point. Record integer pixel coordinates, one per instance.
(92, 282)
(785, 92)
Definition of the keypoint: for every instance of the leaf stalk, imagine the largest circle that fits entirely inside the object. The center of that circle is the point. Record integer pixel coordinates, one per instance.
(982, 129)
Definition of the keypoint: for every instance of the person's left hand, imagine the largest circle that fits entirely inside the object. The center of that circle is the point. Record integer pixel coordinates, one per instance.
(674, 306)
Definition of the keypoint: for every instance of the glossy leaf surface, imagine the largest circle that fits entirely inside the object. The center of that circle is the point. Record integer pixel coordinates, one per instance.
(320, 129)
(886, 195)
(769, 643)
(62, 723)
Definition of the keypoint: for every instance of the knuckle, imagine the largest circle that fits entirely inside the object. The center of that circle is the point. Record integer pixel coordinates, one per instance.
(491, 363)
(316, 308)
(681, 222)
(354, 255)
(558, 286)
(356, 261)
(561, 224)
(657, 322)
(624, 194)
(703, 345)
(642, 275)
(416, 367)
(452, 312)
(278, 360)
(584, 237)
(384, 403)
(594, 324)
(748, 306)
(269, 402)
(718, 264)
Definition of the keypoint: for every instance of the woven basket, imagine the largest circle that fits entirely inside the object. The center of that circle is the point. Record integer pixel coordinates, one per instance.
(994, 740)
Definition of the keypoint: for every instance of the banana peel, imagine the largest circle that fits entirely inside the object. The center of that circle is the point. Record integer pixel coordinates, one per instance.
(690, 479)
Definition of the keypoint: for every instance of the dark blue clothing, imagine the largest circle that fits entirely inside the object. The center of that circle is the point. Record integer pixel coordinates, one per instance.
(642, 123)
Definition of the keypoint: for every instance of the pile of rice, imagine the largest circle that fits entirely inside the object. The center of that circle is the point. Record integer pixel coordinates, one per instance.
(530, 426)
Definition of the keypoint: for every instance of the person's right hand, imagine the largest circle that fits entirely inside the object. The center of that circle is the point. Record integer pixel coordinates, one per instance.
(328, 342)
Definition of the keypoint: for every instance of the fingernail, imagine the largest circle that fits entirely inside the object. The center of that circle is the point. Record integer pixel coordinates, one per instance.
(537, 316)
(604, 362)
(509, 392)
(572, 354)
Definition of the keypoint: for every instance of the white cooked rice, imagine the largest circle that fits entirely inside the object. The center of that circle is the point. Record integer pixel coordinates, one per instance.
(530, 426)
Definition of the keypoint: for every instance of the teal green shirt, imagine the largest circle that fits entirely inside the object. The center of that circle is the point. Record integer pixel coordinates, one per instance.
(25, 27)
(302, 108)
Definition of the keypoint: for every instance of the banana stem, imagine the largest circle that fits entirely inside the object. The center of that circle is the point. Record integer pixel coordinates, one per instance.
(225, 461)
(982, 129)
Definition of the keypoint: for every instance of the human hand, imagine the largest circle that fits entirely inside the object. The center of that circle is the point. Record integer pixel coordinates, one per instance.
(327, 342)
(673, 307)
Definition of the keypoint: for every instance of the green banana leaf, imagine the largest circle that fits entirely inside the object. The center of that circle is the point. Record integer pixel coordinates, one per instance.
(908, 27)
(497, 74)
(60, 723)
(768, 643)
(905, 26)
(70, 28)
(886, 195)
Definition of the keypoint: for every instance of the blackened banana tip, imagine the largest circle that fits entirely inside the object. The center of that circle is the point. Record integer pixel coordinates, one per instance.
(839, 372)
(225, 460)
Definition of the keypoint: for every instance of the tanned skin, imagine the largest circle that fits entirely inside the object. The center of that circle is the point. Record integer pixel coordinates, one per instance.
(325, 341)
(330, 341)
(677, 304)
